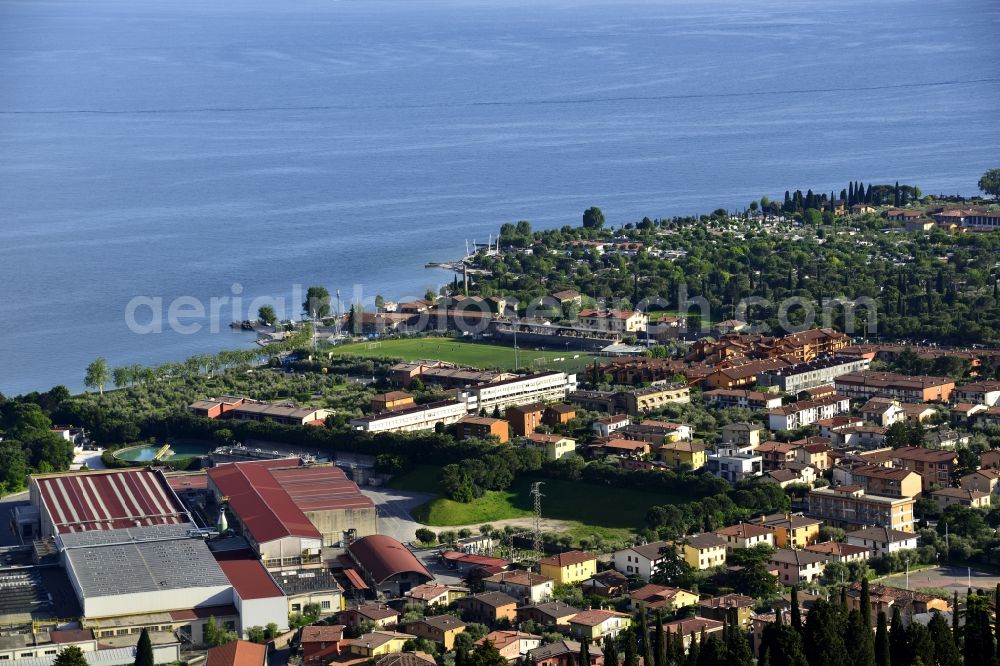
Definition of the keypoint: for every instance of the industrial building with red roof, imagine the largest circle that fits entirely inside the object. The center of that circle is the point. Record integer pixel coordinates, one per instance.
(387, 565)
(289, 511)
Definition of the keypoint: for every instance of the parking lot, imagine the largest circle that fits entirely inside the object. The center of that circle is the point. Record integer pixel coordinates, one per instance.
(947, 577)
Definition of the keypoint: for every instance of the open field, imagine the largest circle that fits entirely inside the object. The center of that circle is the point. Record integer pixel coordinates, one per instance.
(598, 509)
(462, 352)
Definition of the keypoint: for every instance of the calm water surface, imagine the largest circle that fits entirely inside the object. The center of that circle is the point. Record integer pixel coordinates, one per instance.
(176, 148)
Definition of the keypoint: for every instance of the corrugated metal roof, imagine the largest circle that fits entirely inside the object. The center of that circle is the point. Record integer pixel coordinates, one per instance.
(250, 579)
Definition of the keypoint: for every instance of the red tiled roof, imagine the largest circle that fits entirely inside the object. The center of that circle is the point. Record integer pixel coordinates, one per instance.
(271, 496)
(322, 633)
(108, 500)
(355, 579)
(250, 579)
(237, 653)
(568, 558)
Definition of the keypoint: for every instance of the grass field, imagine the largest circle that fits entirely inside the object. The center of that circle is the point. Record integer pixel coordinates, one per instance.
(605, 510)
(462, 352)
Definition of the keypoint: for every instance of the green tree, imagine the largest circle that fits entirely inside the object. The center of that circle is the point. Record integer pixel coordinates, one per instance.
(631, 655)
(13, 466)
(945, 651)
(882, 654)
(897, 639)
(990, 183)
(593, 218)
(859, 636)
(144, 650)
(317, 303)
(611, 651)
(486, 654)
(97, 374)
(783, 646)
(70, 656)
(796, 611)
(267, 315)
(823, 636)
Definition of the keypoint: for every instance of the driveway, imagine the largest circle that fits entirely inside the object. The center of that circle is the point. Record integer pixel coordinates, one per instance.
(394, 507)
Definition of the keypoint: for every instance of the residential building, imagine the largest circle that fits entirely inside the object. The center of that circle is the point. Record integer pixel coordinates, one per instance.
(524, 419)
(482, 427)
(982, 480)
(526, 586)
(656, 598)
(935, 467)
(742, 434)
(393, 400)
(608, 584)
(786, 477)
(973, 499)
(549, 614)
(572, 566)
(605, 426)
(906, 388)
(617, 321)
(614, 446)
(245, 409)
(814, 451)
(806, 412)
(512, 645)
(743, 375)
(743, 398)
(883, 540)
(883, 411)
(546, 387)
(734, 464)
(775, 455)
(411, 419)
(321, 644)
(564, 653)
(595, 625)
(797, 566)
(886, 481)
(553, 447)
(556, 415)
(792, 530)
(377, 643)
(836, 551)
(883, 598)
(746, 535)
(719, 608)
(440, 629)
(690, 454)
(488, 607)
(692, 628)
(918, 412)
(379, 615)
(849, 507)
(233, 653)
(808, 374)
(641, 560)
(704, 551)
(654, 398)
(979, 393)
(435, 594)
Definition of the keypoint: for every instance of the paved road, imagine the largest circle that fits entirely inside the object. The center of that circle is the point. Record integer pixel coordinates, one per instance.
(394, 507)
(951, 578)
(92, 459)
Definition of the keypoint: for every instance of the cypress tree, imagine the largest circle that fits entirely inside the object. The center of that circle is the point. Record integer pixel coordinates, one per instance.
(610, 651)
(584, 652)
(693, 651)
(647, 650)
(660, 655)
(713, 653)
(783, 646)
(823, 636)
(919, 644)
(895, 195)
(570, 659)
(897, 639)
(850, 194)
(631, 655)
(996, 617)
(738, 651)
(866, 603)
(796, 612)
(882, 657)
(843, 598)
(945, 652)
(956, 630)
(144, 650)
(859, 636)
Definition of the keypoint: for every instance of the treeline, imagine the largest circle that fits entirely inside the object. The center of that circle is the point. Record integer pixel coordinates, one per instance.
(855, 193)
(28, 442)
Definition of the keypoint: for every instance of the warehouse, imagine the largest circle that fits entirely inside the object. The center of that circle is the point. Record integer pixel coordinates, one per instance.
(288, 511)
(387, 565)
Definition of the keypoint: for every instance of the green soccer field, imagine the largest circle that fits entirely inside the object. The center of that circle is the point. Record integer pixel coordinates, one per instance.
(461, 352)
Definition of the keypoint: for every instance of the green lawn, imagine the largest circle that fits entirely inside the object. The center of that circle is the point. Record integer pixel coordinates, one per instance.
(462, 352)
(597, 508)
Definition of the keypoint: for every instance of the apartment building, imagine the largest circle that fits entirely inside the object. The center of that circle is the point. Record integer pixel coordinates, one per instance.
(419, 417)
(886, 481)
(482, 427)
(979, 393)
(743, 398)
(809, 374)
(551, 386)
(654, 398)
(935, 467)
(850, 507)
(734, 463)
(871, 384)
(807, 412)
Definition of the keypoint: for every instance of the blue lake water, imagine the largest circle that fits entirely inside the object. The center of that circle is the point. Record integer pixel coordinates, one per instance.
(176, 148)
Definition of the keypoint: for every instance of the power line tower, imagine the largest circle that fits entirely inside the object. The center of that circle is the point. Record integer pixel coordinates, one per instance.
(536, 494)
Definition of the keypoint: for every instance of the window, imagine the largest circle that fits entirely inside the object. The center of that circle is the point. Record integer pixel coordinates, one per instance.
(296, 608)
(325, 605)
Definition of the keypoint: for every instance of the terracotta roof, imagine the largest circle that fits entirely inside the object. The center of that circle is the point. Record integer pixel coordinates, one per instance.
(525, 578)
(744, 530)
(727, 601)
(375, 612)
(322, 633)
(592, 618)
(250, 579)
(960, 493)
(502, 639)
(382, 556)
(560, 648)
(885, 534)
(492, 599)
(553, 609)
(405, 659)
(879, 472)
(442, 622)
(706, 540)
(237, 653)
(695, 625)
(798, 558)
(925, 455)
(836, 548)
(568, 558)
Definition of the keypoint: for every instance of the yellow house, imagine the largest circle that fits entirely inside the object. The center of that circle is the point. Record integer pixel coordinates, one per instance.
(378, 643)
(572, 566)
(704, 551)
(793, 530)
(553, 446)
(660, 597)
(596, 624)
(676, 454)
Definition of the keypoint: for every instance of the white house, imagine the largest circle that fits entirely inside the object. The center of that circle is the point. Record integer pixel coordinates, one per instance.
(883, 540)
(641, 560)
